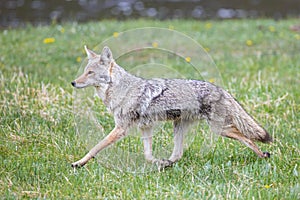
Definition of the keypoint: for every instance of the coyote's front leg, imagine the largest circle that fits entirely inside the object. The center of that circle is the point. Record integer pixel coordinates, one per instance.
(147, 141)
(116, 134)
(180, 127)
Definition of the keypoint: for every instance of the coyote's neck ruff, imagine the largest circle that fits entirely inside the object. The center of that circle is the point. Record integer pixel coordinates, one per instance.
(137, 101)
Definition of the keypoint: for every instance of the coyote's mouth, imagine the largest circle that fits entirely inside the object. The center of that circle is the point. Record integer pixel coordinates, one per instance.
(74, 84)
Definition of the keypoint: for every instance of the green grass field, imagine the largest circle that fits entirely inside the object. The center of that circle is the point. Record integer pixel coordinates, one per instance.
(260, 65)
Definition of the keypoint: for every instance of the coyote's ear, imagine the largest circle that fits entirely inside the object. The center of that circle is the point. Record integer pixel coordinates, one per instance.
(106, 54)
(90, 54)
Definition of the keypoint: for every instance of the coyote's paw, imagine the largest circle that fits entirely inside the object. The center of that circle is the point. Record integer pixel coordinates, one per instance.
(163, 163)
(266, 154)
(78, 164)
(82, 161)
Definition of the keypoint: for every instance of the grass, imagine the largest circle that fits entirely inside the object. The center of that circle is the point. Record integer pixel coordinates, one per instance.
(259, 63)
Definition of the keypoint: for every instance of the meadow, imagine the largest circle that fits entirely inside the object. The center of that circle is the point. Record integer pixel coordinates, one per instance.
(258, 60)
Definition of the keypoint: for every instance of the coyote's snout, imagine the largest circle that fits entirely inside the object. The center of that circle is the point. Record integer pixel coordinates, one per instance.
(141, 102)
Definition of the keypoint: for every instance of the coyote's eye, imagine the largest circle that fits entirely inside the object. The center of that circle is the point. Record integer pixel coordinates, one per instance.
(90, 72)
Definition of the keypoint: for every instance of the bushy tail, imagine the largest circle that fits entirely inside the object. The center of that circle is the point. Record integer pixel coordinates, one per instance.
(246, 124)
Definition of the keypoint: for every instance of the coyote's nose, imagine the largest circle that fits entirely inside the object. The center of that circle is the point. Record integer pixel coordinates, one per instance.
(73, 83)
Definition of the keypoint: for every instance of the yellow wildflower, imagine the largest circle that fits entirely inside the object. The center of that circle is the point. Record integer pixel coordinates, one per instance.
(49, 40)
(206, 49)
(62, 30)
(115, 34)
(171, 27)
(211, 80)
(272, 28)
(188, 59)
(249, 42)
(155, 44)
(208, 25)
(78, 59)
(268, 186)
(297, 36)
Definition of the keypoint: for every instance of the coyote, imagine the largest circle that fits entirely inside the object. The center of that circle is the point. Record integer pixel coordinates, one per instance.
(136, 101)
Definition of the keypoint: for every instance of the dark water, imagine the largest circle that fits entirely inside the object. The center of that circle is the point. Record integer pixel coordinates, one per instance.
(16, 13)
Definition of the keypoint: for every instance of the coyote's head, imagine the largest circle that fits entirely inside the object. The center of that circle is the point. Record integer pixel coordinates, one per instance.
(97, 71)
